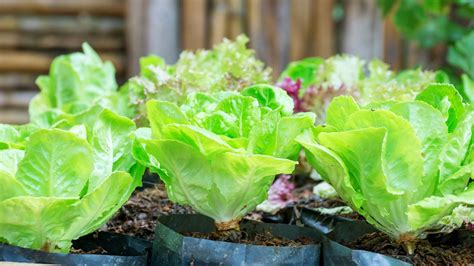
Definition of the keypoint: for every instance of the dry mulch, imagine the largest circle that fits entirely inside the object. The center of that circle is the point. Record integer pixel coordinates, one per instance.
(139, 215)
(426, 252)
(261, 239)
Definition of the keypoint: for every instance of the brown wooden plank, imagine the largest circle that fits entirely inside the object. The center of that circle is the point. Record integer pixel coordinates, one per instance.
(14, 116)
(268, 21)
(39, 62)
(323, 33)
(392, 45)
(16, 99)
(17, 81)
(194, 24)
(282, 33)
(62, 24)
(301, 29)
(362, 29)
(16, 40)
(135, 34)
(94, 7)
(416, 56)
(235, 18)
(437, 56)
(257, 31)
(269, 30)
(219, 22)
(257, 41)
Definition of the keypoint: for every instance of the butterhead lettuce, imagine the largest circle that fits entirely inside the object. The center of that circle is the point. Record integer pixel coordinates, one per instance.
(402, 165)
(76, 82)
(60, 184)
(219, 152)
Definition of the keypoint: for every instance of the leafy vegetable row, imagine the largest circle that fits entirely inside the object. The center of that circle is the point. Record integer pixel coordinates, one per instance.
(313, 82)
(217, 137)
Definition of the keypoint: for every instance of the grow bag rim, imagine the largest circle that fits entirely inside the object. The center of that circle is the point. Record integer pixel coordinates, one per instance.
(316, 245)
(330, 243)
(145, 251)
(68, 254)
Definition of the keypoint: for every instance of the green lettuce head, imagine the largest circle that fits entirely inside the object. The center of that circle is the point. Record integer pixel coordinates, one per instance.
(220, 152)
(402, 165)
(76, 82)
(58, 184)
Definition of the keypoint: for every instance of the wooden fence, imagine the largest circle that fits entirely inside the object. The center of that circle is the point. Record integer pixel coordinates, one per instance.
(32, 32)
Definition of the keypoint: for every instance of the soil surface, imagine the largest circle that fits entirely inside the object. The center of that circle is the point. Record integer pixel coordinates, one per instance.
(139, 215)
(261, 239)
(446, 252)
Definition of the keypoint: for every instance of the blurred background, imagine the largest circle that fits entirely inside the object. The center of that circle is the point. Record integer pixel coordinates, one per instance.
(33, 32)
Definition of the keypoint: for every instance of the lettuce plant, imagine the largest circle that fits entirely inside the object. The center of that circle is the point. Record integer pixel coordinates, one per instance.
(75, 83)
(219, 152)
(402, 165)
(59, 184)
(314, 82)
(229, 66)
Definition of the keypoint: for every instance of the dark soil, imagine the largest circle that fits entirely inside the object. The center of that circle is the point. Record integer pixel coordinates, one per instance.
(260, 239)
(426, 253)
(139, 215)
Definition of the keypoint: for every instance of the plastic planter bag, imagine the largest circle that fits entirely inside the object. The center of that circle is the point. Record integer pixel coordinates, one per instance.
(172, 248)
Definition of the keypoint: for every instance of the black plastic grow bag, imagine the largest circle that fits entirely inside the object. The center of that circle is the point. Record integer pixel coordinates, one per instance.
(122, 250)
(172, 248)
(339, 230)
(322, 222)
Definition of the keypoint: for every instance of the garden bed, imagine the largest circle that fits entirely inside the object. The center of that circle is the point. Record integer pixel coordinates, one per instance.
(139, 215)
(441, 250)
(184, 239)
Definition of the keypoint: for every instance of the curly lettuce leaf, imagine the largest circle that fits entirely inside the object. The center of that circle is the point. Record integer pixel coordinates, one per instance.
(229, 66)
